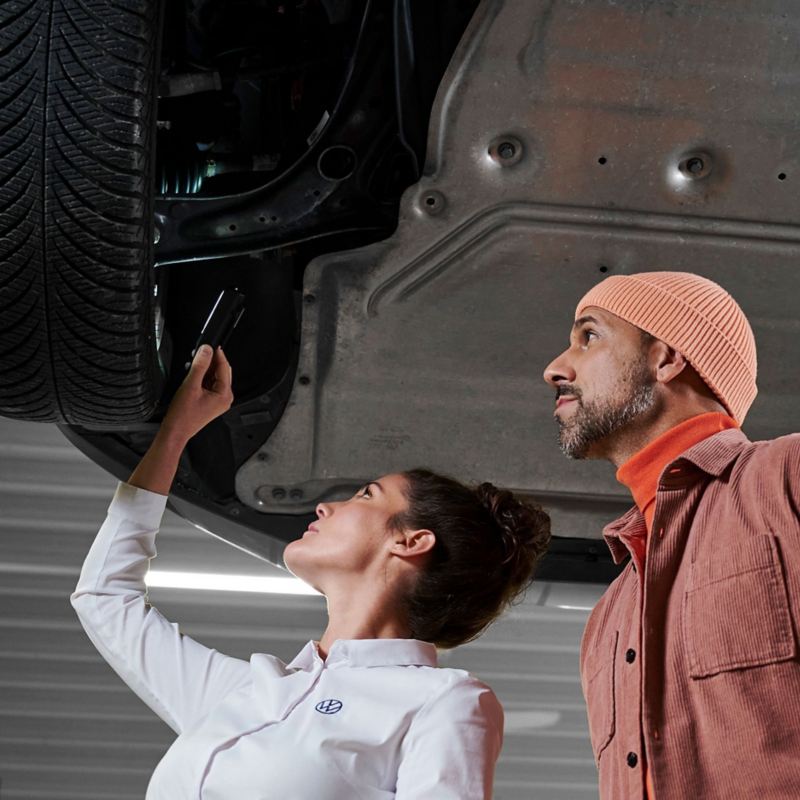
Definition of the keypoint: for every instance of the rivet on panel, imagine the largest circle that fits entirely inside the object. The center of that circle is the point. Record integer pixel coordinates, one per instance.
(505, 150)
(432, 202)
(695, 166)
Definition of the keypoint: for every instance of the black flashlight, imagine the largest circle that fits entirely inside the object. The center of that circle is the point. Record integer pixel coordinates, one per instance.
(224, 317)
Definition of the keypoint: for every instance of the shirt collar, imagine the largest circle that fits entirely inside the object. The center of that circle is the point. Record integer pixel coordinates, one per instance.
(368, 653)
(712, 455)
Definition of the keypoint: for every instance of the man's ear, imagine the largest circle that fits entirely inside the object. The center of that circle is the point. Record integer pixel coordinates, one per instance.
(667, 362)
(413, 543)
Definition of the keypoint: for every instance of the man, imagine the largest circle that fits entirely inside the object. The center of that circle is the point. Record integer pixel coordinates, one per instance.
(689, 663)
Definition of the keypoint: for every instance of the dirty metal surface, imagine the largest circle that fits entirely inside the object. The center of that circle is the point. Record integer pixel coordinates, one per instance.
(569, 141)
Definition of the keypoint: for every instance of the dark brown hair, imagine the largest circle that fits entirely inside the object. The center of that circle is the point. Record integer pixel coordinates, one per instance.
(488, 544)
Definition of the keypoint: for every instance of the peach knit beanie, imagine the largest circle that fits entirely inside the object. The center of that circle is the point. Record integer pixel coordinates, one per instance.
(695, 316)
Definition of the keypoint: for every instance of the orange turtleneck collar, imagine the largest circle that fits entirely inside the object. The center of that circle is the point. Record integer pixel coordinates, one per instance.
(640, 473)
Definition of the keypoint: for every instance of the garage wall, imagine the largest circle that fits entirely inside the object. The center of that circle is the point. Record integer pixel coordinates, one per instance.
(71, 730)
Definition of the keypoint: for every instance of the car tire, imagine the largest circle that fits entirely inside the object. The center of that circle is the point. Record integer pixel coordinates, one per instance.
(78, 82)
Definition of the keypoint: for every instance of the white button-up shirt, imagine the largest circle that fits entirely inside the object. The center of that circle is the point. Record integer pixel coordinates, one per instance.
(376, 720)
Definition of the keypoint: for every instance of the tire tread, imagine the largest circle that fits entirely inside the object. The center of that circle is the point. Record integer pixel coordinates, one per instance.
(77, 105)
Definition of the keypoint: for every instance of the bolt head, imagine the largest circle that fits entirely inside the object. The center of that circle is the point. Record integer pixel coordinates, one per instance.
(506, 150)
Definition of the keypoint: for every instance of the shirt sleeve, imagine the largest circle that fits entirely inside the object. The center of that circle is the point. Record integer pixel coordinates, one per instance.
(452, 745)
(180, 679)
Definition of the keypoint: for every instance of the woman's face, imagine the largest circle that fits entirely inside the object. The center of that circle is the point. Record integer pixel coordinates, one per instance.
(350, 537)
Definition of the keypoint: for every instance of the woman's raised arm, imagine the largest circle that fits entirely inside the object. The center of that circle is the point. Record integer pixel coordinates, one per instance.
(180, 679)
(204, 394)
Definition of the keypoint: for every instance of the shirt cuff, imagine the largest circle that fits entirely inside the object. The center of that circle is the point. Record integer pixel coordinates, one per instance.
(141, 504)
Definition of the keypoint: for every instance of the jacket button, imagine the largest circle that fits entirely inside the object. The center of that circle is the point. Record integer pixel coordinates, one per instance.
(630, 656)
(632, 760)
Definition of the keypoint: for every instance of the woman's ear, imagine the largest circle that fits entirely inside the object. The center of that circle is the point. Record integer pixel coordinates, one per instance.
(409, 544)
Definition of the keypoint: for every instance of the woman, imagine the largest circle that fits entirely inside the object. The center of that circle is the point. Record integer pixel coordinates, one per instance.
(411, 562)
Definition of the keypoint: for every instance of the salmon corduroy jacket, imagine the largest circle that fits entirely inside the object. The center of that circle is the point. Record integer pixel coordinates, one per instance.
(696, 661)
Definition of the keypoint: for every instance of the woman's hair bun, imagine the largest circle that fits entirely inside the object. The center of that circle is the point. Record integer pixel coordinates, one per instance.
(523, 527)
(488, 543)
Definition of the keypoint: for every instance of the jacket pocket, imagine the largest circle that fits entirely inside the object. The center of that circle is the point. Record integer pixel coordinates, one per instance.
(600, 691)
(736, 611)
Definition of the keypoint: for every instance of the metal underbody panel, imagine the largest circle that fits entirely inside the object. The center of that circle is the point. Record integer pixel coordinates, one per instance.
(569, 141)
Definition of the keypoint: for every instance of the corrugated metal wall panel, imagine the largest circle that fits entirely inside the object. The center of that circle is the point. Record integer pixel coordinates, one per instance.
(71, 730)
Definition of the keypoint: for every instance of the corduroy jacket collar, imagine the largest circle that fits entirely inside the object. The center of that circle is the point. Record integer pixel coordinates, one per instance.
(713, 456)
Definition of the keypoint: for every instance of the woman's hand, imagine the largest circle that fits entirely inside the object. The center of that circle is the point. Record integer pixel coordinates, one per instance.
(204, 394)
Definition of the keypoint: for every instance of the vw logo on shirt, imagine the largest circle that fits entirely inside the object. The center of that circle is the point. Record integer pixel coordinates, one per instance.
(329, 706)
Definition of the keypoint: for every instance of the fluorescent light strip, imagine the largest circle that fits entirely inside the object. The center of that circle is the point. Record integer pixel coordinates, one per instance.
(213, 581)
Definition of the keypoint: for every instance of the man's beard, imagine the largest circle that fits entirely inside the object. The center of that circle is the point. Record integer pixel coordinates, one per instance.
(595, 421)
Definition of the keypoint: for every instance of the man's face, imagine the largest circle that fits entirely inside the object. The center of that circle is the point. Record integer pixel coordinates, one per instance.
(603, 384)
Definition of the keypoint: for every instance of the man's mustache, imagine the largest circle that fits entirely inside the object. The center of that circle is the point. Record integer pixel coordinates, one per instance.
(562, 390)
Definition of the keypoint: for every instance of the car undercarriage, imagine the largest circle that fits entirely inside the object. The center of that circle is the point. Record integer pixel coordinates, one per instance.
(412, 196)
